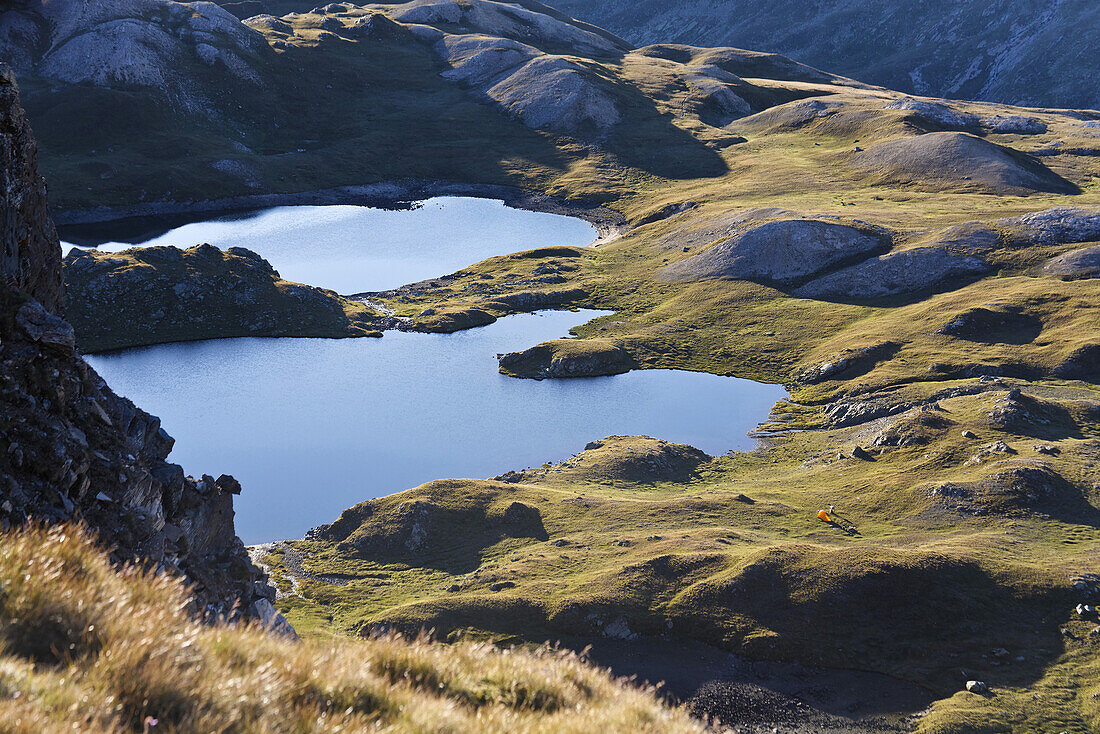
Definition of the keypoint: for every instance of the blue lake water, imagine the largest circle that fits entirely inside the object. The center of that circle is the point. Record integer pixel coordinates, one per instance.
(352, 249)
(312, 426)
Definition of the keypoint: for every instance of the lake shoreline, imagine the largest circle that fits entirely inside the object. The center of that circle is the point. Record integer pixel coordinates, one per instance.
(396, 194)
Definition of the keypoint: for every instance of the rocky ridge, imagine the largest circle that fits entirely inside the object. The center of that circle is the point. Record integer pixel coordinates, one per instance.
(72, 450)
(999, 50)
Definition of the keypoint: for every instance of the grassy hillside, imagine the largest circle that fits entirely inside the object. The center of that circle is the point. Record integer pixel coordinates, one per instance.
(88, 647)
(916, 273)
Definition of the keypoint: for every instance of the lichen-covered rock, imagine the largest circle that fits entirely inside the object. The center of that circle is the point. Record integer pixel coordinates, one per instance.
(783, 251)
(1076, 265)
(936, 113)
(1057, 226)
(899, 273)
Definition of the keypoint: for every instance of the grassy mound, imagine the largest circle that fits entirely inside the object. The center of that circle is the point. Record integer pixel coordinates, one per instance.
(634, 459)
(87, 647)
(958, 161)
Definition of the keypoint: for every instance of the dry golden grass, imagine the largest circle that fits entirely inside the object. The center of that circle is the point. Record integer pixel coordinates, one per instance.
(86, 647)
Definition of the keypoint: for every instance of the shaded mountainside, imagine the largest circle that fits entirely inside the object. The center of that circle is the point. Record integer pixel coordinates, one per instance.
(70, 448)
(507, 95)
(1033, 53)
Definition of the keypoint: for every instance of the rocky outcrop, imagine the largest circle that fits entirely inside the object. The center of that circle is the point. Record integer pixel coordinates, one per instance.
(896, 274)
(567, 358)
(72, 450)
(779, 252)
(511, 21)
(157, 45)
(971, 238)
(940, 116)
(848, 363)
(1060, 225)
(1082, 364)
(955, 160)
(937, 114)
(994, 326)
(1013, 125)
(523, 301)
(999, 50)
(451, 319)
(1017, 488)
(634, 459)
(1076, 265)
(154, 295)
(29, 251)
(544, 91)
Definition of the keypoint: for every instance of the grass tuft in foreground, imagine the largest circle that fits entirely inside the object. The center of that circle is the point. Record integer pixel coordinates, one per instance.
(88, 647)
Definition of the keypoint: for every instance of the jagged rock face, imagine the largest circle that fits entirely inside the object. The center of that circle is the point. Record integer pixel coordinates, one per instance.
(152, 44)
(72, 450)
(507, 20)
(1029, 52)
(29, 251)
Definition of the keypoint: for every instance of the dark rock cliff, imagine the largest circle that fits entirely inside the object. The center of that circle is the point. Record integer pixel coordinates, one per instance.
(30, 256)
(72, 450)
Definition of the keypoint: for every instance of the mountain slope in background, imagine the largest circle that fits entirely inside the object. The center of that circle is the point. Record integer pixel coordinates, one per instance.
(1026, 52)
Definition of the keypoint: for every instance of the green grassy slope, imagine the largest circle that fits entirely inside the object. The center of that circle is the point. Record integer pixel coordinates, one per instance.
(976, 504)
